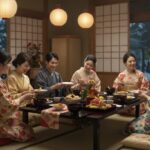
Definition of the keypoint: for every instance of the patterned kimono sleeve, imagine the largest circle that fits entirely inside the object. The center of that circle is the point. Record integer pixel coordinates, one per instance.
(118, 81)
(144, 82)
(7, 106)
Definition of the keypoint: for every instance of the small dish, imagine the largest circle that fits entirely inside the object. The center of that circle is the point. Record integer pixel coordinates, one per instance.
(40, 90)
(67, 83)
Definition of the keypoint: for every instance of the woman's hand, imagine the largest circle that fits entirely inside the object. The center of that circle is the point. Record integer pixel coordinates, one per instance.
(25, 92)
(27, 96)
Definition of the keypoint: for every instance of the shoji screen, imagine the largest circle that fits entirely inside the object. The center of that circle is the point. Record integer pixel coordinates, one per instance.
(112, 29)
(25, 30)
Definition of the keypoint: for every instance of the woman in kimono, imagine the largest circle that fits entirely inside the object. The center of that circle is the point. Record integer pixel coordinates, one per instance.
(81, 77)
(18, 82)
(49, 79)
(131, 79)
(10, 128)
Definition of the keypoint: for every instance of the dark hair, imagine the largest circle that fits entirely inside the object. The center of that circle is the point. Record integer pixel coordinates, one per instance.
(51, 55)
(20, 59)
(127, 55)
(90, 57)
(4, 57)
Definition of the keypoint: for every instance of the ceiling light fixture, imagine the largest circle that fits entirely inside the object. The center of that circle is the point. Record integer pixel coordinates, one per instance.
(58, 17)
(8, 8)
(85, 20)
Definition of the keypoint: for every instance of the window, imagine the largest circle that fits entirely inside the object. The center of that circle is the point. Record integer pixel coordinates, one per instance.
(140, 45)
(112, 28)
(25, 30)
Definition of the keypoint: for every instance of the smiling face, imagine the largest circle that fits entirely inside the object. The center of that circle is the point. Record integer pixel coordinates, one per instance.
(88, 65)
(131, 64)
(52, 64)
(23, 68)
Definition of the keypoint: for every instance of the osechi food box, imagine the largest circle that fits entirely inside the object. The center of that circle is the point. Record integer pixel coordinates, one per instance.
(98, 103)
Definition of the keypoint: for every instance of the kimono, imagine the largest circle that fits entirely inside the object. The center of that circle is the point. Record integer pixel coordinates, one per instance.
(132, 81)
(45, 79)
(10, 127)
(17, 84)
(81, 74)
(141, 124)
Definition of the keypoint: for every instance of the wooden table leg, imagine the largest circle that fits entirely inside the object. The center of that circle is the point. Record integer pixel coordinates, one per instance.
(96, 135)
(25, 116)
(137, 111)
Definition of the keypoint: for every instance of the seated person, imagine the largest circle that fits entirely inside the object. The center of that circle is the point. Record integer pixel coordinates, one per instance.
(49, 79)
(82, 76)
(18, 82)
(131, 79)
(10, 127)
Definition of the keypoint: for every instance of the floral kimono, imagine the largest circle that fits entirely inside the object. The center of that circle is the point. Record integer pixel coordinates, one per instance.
(10, 127)
(142, 124)
(132, 81)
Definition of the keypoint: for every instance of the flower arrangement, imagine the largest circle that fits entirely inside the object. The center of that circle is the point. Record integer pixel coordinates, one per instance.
(89, 90)
(34, 52)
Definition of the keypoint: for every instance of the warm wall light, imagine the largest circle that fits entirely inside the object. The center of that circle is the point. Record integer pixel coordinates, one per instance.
(85, 20)
(58, 17)
(8, 8)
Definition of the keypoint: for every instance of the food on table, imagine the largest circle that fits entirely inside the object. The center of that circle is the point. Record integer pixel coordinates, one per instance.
(59, 106)
(72, 97)
(129, 97)
(99, 103)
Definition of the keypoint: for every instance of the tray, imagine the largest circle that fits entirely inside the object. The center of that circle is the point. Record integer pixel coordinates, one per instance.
(125, 101)
(99, 109)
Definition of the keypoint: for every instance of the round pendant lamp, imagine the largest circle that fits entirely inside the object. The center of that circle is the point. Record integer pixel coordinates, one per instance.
(85, 20)
(58, 17)
(8, 8)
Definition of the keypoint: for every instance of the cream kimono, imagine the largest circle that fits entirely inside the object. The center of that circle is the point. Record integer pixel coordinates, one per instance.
(17, 84)
(81, 74)
(9, 126)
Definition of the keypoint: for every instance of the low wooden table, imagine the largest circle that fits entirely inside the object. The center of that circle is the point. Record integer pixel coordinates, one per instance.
(94, 118)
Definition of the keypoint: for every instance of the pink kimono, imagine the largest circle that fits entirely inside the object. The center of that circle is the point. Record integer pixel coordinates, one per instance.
(132, 81)
(10, 127)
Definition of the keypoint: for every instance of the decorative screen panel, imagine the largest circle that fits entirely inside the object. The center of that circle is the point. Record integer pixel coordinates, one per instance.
(112, 30)
(25, 30)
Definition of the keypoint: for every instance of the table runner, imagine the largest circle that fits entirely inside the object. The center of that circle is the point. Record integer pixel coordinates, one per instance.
(50, 117)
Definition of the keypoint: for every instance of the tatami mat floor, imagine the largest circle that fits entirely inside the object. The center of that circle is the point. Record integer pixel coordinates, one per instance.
(111, 135)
